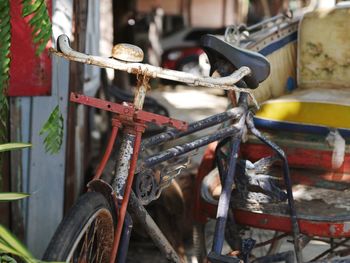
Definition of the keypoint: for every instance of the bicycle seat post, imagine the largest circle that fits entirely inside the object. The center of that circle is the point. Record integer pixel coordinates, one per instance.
(133, 54)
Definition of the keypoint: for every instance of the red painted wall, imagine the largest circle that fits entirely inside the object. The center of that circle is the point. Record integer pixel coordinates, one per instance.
(30, 75)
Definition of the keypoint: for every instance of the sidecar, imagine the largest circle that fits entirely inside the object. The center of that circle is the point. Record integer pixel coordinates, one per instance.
(305, 109)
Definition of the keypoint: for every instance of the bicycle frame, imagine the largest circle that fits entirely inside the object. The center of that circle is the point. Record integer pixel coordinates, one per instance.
(133, 120)
(131, 146)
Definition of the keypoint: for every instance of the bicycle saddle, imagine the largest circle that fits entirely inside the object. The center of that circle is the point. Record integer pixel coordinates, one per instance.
(216, 48)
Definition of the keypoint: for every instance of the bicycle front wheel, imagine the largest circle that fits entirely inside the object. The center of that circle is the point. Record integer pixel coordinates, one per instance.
(86, 234)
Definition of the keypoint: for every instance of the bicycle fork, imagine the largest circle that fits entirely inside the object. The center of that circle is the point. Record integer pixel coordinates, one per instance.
(224, 203)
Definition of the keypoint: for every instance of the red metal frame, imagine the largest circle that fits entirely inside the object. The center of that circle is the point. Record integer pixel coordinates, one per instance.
(298, 157)
(138, 129)
(203, 210)
(134, 122)
(127, 112)
(116, 125)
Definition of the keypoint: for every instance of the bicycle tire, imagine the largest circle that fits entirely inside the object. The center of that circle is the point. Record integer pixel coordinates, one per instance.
(92, 209)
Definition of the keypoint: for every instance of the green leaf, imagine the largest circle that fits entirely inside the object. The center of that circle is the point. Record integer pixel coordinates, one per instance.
(10, 244)
(5, 21)
(36, 20)
(12, 196)
(31, 7)
(13, 146)
(40, 22)
(5, 42)
(7, 259)
(53, 128)
(4, 248)
(5, 30)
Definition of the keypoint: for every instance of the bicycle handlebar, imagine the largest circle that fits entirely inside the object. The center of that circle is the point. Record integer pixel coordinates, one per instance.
(149, 70)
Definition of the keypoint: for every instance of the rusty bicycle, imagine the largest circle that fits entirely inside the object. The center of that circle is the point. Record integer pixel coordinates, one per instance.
(98, 227)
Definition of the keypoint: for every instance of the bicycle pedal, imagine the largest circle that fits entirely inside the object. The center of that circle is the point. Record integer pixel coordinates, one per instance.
(216, 258)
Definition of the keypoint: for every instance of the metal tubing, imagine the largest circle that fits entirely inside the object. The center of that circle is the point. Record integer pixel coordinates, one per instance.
(105, 158)
(224, 201)
(139, 212)
(122, 169)
(287, 181)
(187, 147)
(225, 196)
(172, 134)
(127, 191)
(140, 95)
(127, 112)
(125, 238)
(151, 71)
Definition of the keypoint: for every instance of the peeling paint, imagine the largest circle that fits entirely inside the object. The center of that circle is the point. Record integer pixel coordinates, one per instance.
(122, 170)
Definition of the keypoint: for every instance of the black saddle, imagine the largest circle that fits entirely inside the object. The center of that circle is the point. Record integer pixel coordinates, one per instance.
(217, 48)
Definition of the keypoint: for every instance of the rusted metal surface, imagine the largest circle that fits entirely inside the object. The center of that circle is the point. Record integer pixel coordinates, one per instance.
(170, 134)
(141, 90)
(122, 169)
(139, 129)
(226, 83)
(128, 112)
(190, 146)
(127, 52)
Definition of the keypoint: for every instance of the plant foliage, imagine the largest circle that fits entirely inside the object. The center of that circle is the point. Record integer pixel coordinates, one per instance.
(41, 32)
(40, 22)
(9, 244)
(13, 146)
(5, 43)
(12, 196)
(53, 128)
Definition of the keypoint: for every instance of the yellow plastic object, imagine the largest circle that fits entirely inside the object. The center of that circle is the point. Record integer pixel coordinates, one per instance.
(319, 107)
